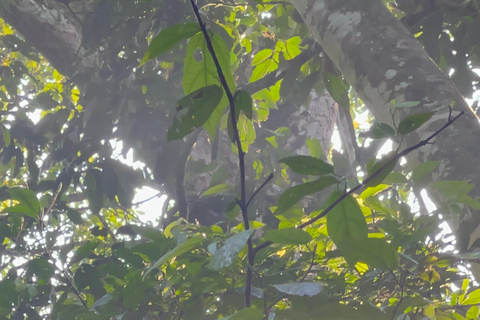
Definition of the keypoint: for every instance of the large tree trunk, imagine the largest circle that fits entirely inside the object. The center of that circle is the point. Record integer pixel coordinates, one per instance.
(383, 61)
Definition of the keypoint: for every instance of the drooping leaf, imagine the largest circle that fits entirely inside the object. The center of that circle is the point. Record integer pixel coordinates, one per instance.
(186, 246)
(346, 219)
(381, 169)
(300, 288)
(472, 298)
(413, 122)
(168, 38)
(101, 302)
(197, 108)
(407, 104)
(380, 130)
(288, 236)
(219, 188)
(423, 169)
(337, 89)
(200, 71)
(28, 202)
(307, 165)
(84, 251)
(375, 252)
(225, 255)
(261, 56)
(294, 194)
(243, 102)
(94, 196)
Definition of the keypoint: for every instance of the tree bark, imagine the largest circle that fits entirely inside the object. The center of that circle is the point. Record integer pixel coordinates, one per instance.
(383, 61)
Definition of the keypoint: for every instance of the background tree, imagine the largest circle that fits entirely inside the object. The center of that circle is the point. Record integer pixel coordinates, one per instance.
(76, 101)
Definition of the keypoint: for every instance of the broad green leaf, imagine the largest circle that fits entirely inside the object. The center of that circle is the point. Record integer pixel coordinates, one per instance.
(263, 69)
(413, 122)
(246, 314)
(168, 38)
(407, 104)
(84, 251)
(307, 165)
(94, 196)
(186, 246)
(288, 236)
(292, 48)
(346, 220)
(198, 106)
(28, 202)
(42, 269)
(219, 188)
(337, 89)
(380, 169)
(225, 255)
(453, 187)
(101, 302)
(261, 56)
(314, 147)
(200, 71)
(294, 194)
(473, 313)
(300, 288)
(380, 130)
(423, 169)
(243, 102)
(472, 298)
(375, 252)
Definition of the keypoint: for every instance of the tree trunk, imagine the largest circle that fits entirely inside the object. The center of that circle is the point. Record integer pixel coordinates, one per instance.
(383, 61)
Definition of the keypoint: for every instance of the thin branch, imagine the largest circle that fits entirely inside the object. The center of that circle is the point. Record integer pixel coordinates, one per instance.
(241, 154)
(270, 177)
(370, 178)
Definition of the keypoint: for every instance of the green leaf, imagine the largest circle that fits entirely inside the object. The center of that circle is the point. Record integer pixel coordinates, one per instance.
(473, 313)
(307, 165)
(380, 130)
(186, 246)
(261, 56)
(42, 269)
(200, 71)
(101, 302)
(28, 202)
(380, 169)
(337, 89)
(5, 232)
(288, 236)
(168, 38)
(243, 102)
(375, 252)
(246, 314)
(423, 169)
(472, 298)
(300, 288)
(84, 251)
(199, 105)
(413, 122)
(94, 196)
(346, 220)
(263, 69)
(294, 194)
(219, 188)
(407, 104)
(224, 256)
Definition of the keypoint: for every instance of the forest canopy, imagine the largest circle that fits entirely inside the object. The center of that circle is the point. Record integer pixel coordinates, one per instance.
(314, 159)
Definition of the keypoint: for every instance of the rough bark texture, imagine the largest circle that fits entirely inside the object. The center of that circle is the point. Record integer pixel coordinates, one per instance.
(383, 61)
(56, 32)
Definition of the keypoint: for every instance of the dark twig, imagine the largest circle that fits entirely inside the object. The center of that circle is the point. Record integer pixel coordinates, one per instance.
(241, 154)
(270, 177)
(370, 178)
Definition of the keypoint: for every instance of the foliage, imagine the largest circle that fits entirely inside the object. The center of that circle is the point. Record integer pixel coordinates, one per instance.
(293, 236)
